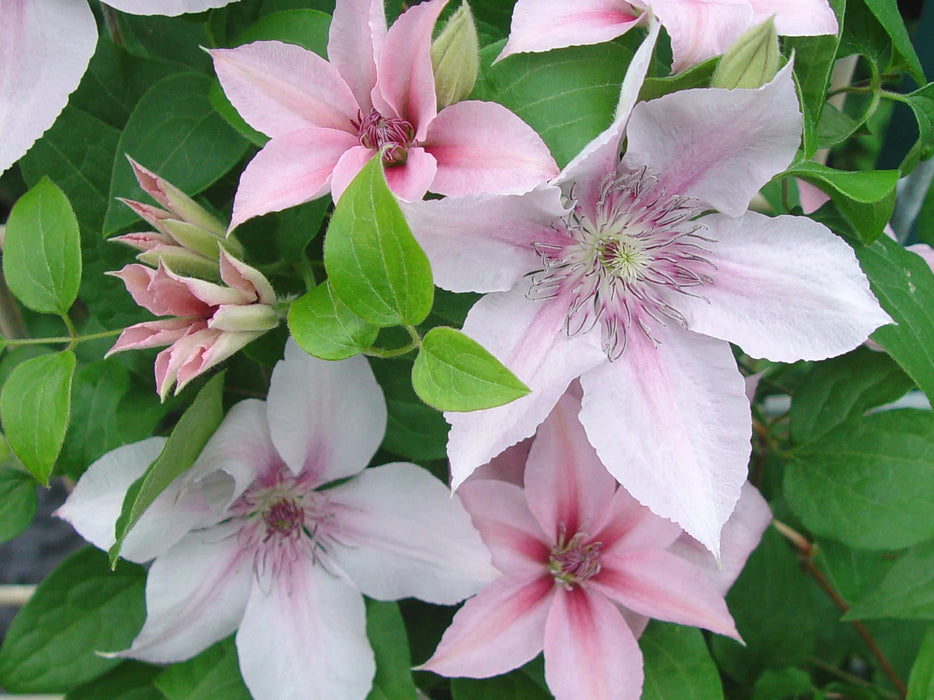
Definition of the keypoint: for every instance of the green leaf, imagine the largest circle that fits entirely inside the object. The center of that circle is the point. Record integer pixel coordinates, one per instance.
(42, 250)
(922, 104)
(298, 226)
(844, 387)
(175, 132)
(834, 127)
(325, 327)
(17, 502)
(853, 571)
(214, 674)
(693, 77)
(414, 430)
(906, 592)
(79, 609)
(185, 442)
(865, 198)
(374, 263)
(677, 664)
(305, 28)
(868, 482)
(386, 632)
(455, 373)
(131, 680)
(887, 14)
(787, 684)
(35, 406)
(921, 680)
(511, 686)
(904, 285)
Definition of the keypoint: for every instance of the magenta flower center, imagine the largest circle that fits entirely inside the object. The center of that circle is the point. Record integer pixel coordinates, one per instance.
(391, 135)
(573, 562)
(624, 261)
(284, 518)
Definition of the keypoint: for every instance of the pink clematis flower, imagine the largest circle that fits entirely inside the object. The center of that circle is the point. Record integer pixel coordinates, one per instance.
(44, 50)
(699, 29)
(377, 93)
(583, 566)
(635, 275)
(255, 545)
(211, 323)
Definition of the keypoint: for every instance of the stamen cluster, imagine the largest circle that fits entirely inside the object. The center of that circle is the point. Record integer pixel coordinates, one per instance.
(574, 561)
(392, 135)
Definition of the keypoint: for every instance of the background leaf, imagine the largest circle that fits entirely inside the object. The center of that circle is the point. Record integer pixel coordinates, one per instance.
(214, 674)
(386, 632)
(677, 664)
(17, 502)
(325, 327)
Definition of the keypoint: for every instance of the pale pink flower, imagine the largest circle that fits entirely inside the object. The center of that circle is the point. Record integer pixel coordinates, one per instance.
(636, 275)
(699, 29)
(249, 541)
(44, 50)
(583, 566)
(377, 93)
(211, 321)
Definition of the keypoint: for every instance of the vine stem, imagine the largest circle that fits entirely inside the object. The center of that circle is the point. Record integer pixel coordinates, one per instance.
(806, 550)
(71, 340)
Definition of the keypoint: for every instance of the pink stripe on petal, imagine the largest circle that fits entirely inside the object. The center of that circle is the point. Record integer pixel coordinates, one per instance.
(150, 334)
(355, 41)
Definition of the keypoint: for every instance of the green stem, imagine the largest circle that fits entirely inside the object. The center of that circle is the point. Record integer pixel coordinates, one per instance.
(397, 352)
(70, 340)
(894, 96)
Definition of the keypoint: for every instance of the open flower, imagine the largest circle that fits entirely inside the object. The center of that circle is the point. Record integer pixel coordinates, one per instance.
(377, 94)
(45, 50)
(583, 566)
(256, 545)
(635, 275)
(699, 29)
(211, 321)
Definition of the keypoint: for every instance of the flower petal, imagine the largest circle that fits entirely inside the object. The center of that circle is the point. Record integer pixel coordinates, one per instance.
(496, 631)
(701, 29)
(306, 636)
(720, 146)
(542, 25)
(784, 288)
(195, 595)
(796, 17)
(462, 235)
(278, 88)
(483, 147)
(159, 293)
(355, 41)
(406, 536)
(413, 179)
(165, 7)
(290, 170)
(590, 652)
(672, 424)
(633, 526)
(528, 337)
(325, 417)
(150, 334)
(45, 50)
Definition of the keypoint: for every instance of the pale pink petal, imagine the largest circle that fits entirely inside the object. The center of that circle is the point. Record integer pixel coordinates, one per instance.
(165, 7)
(349, 163)
(405, 84)
(528, 337)
(413, 179)
(195, 595)
(150, 334)
(355, 40)
(701, 29)
(160, 294)
(326, 417)
(404, 535)
(498, 630)
(590, 652)
(500, 512)
(796, 17)
(169, 360)
(144, 240)
(290, 170)
(44, 51)
(208, 292)
(663, 586)
(811, 198)
(508, 466)
(720, 146)
(633, 526)
(483, 147)
(305, 636)
(203, 350)
(924, 251)
(567, 488)
(278, 88)
(812, 304)
(542, 25)
(672, 424)
(462, 235)
(249, 280)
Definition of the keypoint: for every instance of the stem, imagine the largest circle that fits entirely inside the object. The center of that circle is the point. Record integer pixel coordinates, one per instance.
(397, 352)
(806, 551)
(70, 340)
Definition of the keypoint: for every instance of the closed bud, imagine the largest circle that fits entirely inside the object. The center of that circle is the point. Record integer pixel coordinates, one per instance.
(455, 57)
(752, 60)
(250, 317)
(181, 260)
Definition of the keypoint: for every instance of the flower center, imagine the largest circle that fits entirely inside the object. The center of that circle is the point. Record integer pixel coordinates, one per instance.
(284, 518)
(573, 562)
(392, 135)
(624, 262)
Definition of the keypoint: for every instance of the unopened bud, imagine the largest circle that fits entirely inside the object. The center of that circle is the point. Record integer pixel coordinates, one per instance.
(455, 57)
(200, 241)
(181, 260)
(248, 317)
(752, 60)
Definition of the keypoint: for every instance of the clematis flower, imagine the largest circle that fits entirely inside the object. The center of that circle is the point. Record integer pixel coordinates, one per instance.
(377, 94)
(699, 29)
(256, 545)
(583, 566)
(635, 275)
(211, 321)
(45, 49)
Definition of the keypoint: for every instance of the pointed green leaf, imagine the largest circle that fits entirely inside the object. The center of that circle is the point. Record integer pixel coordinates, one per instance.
(323, 326)
(184, 445)
(386, 632)
(921, 680)
(17, 502)
(906, 592)
(131, 680)
(42, 250)
(887, 14)
(455, 373)
(35, 406)
(677, 664)
(921, 102)
(374, 264)
(214, 674)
